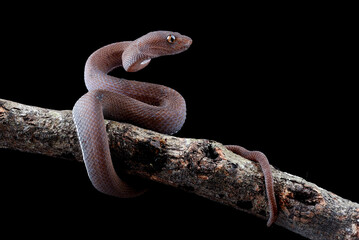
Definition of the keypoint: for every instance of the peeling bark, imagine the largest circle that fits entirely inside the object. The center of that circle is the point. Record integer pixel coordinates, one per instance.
(200, 166)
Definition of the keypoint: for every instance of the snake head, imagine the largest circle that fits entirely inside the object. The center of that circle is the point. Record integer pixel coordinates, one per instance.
(154, 44)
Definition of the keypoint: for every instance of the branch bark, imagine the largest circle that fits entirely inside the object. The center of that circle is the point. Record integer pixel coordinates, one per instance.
(200, 166)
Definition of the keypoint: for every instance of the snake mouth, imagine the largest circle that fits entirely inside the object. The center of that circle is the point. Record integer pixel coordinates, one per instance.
(185, 47)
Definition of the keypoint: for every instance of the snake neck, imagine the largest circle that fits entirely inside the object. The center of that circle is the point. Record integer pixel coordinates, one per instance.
(134, 57)
(106, 58)
(101, 62)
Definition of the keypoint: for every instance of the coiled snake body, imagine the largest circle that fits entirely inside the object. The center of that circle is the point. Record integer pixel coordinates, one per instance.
(147, 105)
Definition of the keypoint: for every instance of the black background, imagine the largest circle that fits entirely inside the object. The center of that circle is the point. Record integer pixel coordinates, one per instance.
(272, 78)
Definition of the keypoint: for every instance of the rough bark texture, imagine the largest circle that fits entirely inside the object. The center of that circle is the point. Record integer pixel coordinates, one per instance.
(201, 166)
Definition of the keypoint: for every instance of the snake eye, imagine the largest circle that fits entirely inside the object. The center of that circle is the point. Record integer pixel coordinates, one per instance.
(171, 38)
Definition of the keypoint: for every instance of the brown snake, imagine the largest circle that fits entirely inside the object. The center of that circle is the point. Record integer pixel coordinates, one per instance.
(147, 105)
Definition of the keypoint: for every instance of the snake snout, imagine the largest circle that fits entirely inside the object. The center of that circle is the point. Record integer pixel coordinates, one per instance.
(186, 42)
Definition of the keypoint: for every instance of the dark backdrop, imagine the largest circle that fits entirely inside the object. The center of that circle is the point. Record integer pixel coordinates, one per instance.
(272, 78)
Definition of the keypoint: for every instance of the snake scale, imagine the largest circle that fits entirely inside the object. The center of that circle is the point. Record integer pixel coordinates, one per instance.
(147, 105)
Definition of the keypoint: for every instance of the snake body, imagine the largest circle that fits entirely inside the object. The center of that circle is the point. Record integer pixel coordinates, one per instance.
(147, 105)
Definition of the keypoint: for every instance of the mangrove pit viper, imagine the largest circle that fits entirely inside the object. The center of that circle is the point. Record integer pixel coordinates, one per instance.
(147, 105)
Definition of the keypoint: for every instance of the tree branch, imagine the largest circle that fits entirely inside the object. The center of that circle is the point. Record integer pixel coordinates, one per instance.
(201, 166)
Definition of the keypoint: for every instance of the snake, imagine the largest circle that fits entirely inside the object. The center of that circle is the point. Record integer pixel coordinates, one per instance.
(147, 105)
